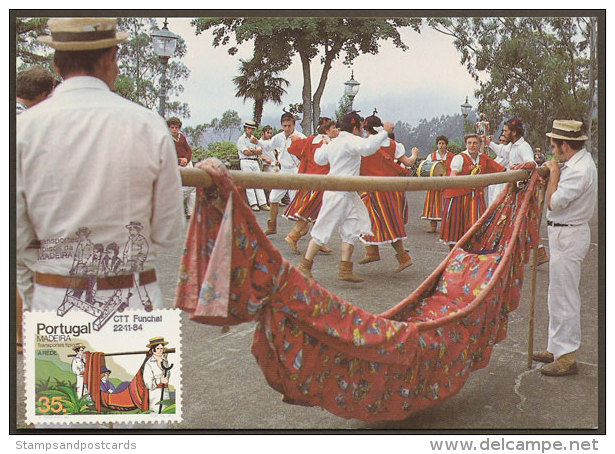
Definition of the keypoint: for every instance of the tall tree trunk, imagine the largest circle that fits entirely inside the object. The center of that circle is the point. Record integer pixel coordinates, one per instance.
(593, 57)
(329, 56)
(306, 122)
(258, 110)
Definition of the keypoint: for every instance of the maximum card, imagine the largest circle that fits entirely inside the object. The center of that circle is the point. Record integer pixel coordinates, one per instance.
(127, 371)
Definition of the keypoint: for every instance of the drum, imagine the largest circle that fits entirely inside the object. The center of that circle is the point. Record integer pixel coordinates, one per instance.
(431, 169)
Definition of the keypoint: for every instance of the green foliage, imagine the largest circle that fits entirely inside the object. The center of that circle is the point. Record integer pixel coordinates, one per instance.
(229, 122)
(30, 51)
(71, 403)
(456, 145)
(309, 37)
(225, 151)
(343, 107)
(539, 68)
(198, 153)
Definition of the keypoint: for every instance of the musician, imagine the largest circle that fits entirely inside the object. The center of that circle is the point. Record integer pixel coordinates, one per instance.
(343, 210)
(571, 196)
(388, 210)
(462, 207)
(432, 209)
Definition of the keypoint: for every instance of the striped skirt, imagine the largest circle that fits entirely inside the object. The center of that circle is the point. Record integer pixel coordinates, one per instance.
(432, 210)
(305, 206)
(459, 214)
(388, 213)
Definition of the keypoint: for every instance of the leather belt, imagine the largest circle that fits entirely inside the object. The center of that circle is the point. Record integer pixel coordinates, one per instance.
(248, 159)
(87, 282)
(555, 224)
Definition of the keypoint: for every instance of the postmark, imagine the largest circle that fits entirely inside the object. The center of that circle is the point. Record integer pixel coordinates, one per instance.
(127, 371)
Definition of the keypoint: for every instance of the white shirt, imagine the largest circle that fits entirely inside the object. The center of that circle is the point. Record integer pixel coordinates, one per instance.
(343, 153)
(457, 161)
(86, 157)
(288, 162)
(243, 144)
(574, 200)
(512, 154)
(400, 150)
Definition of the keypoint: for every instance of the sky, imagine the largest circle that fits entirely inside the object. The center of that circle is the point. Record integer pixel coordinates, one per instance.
(424, 81)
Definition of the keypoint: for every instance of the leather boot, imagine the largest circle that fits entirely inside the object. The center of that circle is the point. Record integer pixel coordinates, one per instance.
(542, 256)
(272, 222)
(404, 261)
(346, 274)
(372, 254)
(305, 266)
(564, 365)
(292, 238)
(543, 356)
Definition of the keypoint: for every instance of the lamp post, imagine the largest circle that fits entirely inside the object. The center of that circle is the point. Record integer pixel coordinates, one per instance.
(164, 42)
(465, 110)
(351, 89)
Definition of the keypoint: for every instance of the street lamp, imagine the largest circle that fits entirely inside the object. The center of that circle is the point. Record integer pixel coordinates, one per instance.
(164, 42)
(465, 108)
(351, 89)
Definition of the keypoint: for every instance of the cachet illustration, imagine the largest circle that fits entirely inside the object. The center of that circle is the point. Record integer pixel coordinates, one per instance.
(91, 260)
(129, 371)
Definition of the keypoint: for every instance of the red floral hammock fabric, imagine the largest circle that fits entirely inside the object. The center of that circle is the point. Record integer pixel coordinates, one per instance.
(136, 395)
(319, 350)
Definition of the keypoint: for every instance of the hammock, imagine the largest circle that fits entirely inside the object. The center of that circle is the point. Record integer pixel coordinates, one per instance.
(135, 395)
(317, 349)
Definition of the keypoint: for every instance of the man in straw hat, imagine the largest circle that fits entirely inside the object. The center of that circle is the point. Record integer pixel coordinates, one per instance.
(248, 162)
(89, 159)
(571, 196)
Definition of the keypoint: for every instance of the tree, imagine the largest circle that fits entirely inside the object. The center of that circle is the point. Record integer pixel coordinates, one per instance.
(257, 81)
(229, 123)
(141, 68)
(309, 37)
(538, 68)
(28, 50)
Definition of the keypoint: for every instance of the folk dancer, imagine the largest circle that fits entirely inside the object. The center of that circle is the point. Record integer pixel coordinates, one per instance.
(571, 196)
(388, 210)
(516, 151)
(432, 209)
(462, 207)
(288, 164)
(343, 210)
(305, 206)
(248, 162)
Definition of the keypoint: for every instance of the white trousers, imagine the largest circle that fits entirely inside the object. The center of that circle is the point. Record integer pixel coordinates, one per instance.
(255, 196)
(568, 247)
(189, 199)
(345, 211)
(276, 195)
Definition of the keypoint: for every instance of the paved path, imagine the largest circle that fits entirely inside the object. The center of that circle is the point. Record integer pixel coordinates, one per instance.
(225, 389)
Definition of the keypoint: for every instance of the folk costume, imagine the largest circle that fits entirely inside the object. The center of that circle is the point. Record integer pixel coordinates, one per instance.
(462, 207)
(288, 164)
(388, 210)
(248, 162)
(305, 206)
(432, 209)
(343, 210)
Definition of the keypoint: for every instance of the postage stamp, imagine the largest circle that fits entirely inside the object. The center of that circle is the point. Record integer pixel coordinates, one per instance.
(126, 371)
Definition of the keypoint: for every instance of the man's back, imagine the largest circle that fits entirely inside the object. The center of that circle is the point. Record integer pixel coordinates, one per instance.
(88, 158)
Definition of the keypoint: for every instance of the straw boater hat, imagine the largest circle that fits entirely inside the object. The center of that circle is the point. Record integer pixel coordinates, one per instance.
(77, 347)
(250, 124)
(83, 33)
(567, 130)
(156, 340)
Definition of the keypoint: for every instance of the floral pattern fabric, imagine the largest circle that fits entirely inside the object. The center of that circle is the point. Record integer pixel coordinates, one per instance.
(319, 350)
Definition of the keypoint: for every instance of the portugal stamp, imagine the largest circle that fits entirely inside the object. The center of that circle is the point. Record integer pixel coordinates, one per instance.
(127, 371)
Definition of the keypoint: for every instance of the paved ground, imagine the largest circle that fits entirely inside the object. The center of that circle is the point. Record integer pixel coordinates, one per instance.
(225, 389)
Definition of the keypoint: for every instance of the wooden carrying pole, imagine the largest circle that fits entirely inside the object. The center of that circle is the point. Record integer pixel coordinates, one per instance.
(199, 178)
(140, 352)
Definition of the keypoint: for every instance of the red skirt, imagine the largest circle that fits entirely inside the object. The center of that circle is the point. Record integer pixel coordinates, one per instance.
(305, 206)
(432, 210)
(459, 214)
(388, 213)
